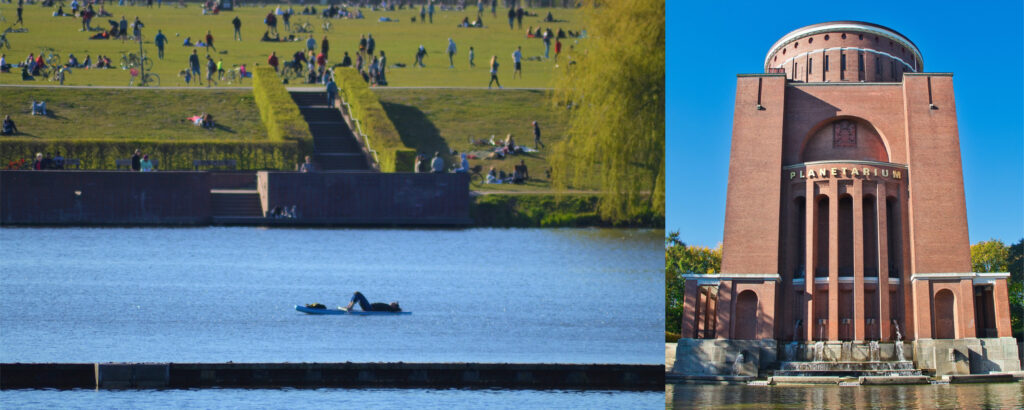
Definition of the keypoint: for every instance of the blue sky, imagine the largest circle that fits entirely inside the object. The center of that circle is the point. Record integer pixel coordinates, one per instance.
(981, 43)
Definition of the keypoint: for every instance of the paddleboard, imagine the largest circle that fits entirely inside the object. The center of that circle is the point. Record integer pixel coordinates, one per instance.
(340, 311)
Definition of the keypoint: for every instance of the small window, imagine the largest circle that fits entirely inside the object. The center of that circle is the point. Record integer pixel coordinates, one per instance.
(843, 36)
(783, 51)
(810, 40)
(878, 66)
(826, 37)
(860, 37)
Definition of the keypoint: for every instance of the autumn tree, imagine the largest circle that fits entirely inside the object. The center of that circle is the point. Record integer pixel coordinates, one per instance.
(615, 90)
(681, 259)
(994, 256)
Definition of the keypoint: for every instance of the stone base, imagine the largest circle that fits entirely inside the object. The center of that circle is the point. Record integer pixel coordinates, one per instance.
(856, 351)
(967, 356)
(718, 356)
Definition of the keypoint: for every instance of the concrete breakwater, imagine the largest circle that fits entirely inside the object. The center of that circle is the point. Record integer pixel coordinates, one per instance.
(205, 198)
(314, 375)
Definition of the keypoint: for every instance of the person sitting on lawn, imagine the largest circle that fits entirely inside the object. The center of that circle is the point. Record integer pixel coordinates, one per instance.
(366, 306)
(521, 174)
(38, 107)
(8, 127)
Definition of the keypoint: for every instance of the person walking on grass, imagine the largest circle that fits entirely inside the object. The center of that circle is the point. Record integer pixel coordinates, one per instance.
(238, 28)
(517, 61)
(310, 43)
(211, 69)
(471, 56)
(451, 53)
(193, 64)
(160, 40)
(536, 136)
(420, 53)
(494, 73)
(209, 41)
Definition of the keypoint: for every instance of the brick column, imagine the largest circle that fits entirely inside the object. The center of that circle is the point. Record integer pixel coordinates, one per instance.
(810, 256)
(688, 327)
(1001, 302)
(906, 293)
(724, 311)
(858, 259)
(965, 309)
(923, 309)
(882, 216)
(833, 260)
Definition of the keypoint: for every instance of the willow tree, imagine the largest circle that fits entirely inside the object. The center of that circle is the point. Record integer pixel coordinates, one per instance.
(614, 86)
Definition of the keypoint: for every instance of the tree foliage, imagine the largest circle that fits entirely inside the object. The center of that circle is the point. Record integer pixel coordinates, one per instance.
(994, 256)
(680, 259)
(616, 88)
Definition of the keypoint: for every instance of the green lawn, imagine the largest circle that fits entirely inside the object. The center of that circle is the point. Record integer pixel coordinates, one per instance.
(445, 120)
(398, 39)
(82, 113)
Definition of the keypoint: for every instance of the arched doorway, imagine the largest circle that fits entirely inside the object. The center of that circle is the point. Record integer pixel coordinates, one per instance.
(745, 320)
(945, 309)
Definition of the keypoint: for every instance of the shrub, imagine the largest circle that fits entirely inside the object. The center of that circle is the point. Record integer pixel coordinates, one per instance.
(382, 136)
(278, 111)
(172, 155)
(550, 210)
(672, 337)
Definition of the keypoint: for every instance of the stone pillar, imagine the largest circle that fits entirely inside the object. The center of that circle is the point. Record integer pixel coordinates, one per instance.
(882, 217)
(810, 257)
(1001, 300)
(688, 327)
(858, 259)
(833, 260)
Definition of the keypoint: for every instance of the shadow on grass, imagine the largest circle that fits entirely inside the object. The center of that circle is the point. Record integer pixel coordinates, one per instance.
(415, 129)
(223, 128)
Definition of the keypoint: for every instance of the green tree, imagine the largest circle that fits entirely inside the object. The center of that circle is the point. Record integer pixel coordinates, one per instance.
(616, 88)
(680, 259)
(994, 256)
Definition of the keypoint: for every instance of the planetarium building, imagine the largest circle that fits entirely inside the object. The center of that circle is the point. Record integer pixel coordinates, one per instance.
(846, 231)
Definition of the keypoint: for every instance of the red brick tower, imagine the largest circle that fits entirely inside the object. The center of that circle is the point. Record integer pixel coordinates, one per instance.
(845, 217)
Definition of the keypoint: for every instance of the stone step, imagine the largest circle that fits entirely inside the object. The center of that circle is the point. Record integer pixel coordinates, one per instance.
(235, 203)
(846, 366)
(340, 162)
(321, 114)
(846, 373)
(308, 98)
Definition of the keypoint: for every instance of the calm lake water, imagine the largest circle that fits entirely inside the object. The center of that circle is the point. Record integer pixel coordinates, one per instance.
(950, 396)
(227, 294)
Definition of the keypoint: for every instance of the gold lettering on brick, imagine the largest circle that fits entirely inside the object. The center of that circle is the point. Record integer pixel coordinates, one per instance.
(896, 174)
(885, 173)
(801, 173)
(792, 174)
(810, 174)
(833, 174)
(844, 172)
(867, 171)
(855, 172)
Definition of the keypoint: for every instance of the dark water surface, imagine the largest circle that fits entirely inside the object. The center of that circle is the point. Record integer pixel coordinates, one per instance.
(949, 396)
(227, 294)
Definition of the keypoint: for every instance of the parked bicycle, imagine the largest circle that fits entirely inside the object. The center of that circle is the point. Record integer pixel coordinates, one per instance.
(301, 27)
(476, 177)
(131, 60)
(326, 25)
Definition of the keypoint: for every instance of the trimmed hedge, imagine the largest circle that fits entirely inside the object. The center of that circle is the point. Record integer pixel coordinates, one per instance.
(547, 210)
(278, 111)
(392, 153)
(172, 155)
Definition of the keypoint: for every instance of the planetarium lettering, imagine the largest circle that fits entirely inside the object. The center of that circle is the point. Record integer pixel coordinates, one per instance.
(846, 172)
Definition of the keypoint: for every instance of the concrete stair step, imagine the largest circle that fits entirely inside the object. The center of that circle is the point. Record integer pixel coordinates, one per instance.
(340, 162)
(235, 203)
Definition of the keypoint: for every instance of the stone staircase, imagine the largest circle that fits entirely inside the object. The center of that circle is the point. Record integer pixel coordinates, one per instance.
(847, 369)
(235, 203)
(335, 147)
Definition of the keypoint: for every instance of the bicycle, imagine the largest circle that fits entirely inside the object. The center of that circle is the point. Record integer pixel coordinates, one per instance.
(51, 59)
(301, 27)
(326, 26)
(57, 73)
(130, 60)
(233, 75)
(4, 41)
(476, 178)
(291, 70)
(146, 79)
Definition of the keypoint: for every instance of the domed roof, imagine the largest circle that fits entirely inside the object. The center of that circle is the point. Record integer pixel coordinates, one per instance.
(849, 26)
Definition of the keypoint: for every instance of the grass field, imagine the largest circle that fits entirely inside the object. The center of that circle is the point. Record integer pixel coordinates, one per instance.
(444, 120)
(398, 39)
(118, 114)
